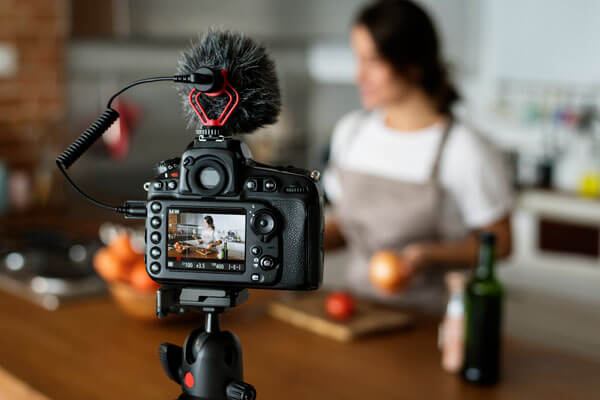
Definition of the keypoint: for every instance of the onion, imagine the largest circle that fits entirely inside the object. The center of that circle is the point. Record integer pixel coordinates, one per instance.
(388, 271)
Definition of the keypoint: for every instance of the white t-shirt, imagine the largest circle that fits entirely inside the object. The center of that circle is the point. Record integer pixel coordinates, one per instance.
(208, 237)
(476, 188)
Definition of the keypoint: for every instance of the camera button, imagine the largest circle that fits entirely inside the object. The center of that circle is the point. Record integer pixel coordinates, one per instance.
(255, 277)
(157, 185)
(267, 263)
(270, 185)
(156, 207)
(155, 268)
(155, 222)
(155, 237)
(252, 185)
(172, 185)
(155, 252)
(255, 250)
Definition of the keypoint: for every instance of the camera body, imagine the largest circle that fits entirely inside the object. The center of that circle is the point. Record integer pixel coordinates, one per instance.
(216, 218)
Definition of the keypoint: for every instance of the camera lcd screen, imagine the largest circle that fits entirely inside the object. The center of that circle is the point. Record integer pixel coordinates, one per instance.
(206, 240)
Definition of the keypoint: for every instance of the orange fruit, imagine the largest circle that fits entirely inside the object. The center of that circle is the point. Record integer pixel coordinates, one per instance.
(121, 247)
(388, 271)
(109, 266)
(140, 279)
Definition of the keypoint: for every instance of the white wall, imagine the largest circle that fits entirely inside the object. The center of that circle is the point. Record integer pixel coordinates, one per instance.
(276, 19)
(550, 40)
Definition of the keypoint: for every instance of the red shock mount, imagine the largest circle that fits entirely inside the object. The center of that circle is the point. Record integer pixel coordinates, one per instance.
(226, 113)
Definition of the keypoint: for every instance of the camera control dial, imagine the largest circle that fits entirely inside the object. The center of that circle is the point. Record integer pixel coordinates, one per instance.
(264, 224)
(165, 168)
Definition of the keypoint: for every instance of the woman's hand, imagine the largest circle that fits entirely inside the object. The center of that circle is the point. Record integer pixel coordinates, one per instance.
(392, 271)
(416, 256)
(462, 252)
(334, 239)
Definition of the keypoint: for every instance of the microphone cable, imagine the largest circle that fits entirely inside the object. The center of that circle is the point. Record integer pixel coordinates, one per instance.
(208, 80)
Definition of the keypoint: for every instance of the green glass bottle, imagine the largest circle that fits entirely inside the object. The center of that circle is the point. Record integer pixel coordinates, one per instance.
(483, 306)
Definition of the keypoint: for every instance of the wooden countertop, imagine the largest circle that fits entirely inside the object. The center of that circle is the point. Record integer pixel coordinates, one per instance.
(90, 350)
(15, 389)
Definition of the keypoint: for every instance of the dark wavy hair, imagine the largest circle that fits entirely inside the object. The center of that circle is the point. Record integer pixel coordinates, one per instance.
(209, 220)
(406, 37)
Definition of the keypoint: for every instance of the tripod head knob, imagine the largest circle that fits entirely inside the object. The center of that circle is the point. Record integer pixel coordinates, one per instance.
(240, 391)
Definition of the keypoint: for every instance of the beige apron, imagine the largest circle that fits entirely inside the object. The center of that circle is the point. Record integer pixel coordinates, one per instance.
(382, 213)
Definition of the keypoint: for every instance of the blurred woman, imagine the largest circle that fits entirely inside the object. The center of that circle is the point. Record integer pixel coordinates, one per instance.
(404, 174)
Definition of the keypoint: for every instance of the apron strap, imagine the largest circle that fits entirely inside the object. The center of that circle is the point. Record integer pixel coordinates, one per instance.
(440, 149)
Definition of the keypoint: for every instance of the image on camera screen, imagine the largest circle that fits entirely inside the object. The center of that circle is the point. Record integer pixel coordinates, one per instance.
(196, 238)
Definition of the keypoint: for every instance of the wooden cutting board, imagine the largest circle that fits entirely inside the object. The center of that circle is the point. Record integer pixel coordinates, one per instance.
(308, 312)
(15, 389)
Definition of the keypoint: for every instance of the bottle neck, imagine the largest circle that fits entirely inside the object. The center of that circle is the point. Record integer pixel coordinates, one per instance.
(485, 267)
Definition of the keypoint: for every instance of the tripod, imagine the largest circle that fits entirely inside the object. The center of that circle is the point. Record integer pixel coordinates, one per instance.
(209, 366)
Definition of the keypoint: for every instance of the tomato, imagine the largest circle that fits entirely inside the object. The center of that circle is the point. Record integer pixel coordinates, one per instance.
(340, 306)
(388, 271)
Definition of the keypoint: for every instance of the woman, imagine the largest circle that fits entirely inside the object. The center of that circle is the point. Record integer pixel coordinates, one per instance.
(208, 239)
(404, 174)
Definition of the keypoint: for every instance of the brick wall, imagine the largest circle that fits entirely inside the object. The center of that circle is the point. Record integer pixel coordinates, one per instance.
(32, 101)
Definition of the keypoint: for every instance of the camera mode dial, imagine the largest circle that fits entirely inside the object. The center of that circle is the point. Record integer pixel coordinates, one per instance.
(166, 168)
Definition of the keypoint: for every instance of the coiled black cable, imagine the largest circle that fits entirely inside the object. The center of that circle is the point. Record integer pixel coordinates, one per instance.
(206, 79)
(87, 138)
(80, 146)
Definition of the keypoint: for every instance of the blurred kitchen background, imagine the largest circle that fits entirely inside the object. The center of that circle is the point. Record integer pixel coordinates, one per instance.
(529, 73)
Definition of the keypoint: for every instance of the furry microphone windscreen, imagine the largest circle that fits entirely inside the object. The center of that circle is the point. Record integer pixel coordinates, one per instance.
(250, 71)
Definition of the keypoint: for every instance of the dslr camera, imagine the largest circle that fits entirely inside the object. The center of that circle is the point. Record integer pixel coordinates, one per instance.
(217, 218)
(217, 222)
(214, 217)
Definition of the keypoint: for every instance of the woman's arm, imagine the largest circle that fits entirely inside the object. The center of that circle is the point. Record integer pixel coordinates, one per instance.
(462, 252)
(334, 239)
(213, 244)
(198, 241)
